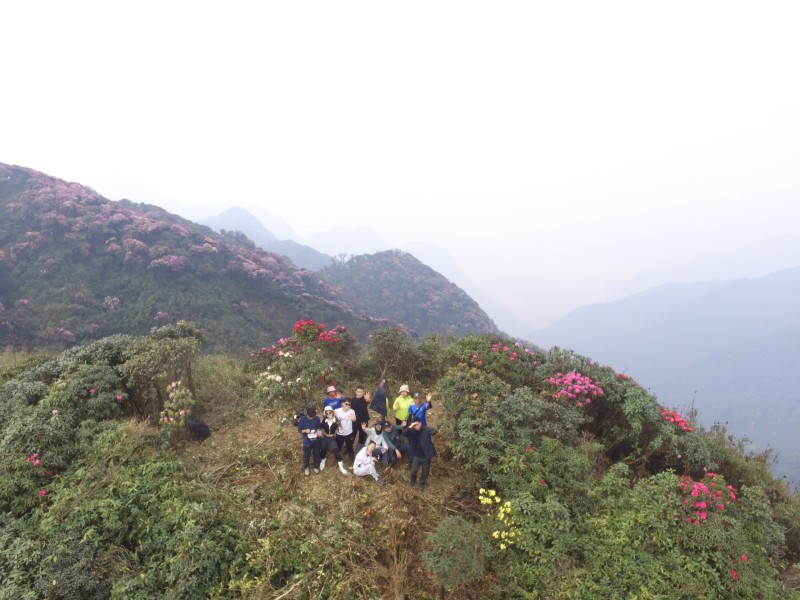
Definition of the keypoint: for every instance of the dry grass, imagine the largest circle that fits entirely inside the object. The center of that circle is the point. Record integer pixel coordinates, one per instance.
(257, 458)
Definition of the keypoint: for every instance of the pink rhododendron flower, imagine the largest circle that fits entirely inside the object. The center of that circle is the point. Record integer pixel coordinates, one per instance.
(42, 493)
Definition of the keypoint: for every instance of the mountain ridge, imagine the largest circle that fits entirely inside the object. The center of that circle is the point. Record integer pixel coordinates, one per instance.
(75, 266)
(733, 343)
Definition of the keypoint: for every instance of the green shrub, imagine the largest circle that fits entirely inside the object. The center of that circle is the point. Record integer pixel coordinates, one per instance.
(513, 362)
(458, 552)
(518, 419)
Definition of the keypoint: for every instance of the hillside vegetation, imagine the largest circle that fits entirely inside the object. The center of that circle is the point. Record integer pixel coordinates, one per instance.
(556, 478)
(76, 267)
(398, 287)
(725, 346)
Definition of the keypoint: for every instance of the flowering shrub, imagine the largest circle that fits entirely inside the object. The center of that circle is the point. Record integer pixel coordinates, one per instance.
(110, 302)
(507, 532)
(171, 263)
(673, 417)
(177, 409)
(513, 362)
(59, 334)
(704, 500)
(574, 388)
(300, 366)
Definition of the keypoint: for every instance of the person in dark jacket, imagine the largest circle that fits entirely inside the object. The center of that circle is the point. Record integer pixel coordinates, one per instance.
(309, 427)
(361, 407)
(378, 402)
(327, 431)
(421, 448)
(394, 435)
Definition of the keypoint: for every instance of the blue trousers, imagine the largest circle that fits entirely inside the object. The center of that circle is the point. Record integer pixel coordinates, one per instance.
(308, 449)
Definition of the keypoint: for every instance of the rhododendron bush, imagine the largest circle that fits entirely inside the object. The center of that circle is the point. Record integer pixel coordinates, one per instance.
(300, 367)
(556, 478)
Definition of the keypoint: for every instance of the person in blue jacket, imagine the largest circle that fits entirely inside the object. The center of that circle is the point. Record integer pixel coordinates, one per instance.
(333, 398)
(419, 408)
(309, 426)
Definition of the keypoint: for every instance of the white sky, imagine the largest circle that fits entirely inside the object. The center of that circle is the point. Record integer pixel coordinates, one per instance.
(551, 148)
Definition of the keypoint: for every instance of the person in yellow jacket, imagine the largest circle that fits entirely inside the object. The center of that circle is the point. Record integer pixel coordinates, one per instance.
(401, 405)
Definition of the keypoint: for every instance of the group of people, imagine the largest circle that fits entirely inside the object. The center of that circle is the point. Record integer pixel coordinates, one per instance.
(345, 426)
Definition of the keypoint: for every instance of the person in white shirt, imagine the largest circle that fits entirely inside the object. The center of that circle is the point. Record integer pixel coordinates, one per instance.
(345, 417)
(364, 463)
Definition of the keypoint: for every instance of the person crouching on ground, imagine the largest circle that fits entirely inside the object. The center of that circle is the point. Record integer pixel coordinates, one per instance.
(422, 448)
(393, 437)
(365, 463)
(328, 440)
(383, 447)
(309, 427)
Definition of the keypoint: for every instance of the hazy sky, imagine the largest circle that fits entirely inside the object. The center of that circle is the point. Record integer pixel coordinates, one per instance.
(551, 148)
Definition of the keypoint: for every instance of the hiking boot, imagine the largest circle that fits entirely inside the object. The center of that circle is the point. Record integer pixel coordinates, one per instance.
(342, 470)
(316, 471)
(413, 479)
(322, 464)
(306, 471)
(379, 481)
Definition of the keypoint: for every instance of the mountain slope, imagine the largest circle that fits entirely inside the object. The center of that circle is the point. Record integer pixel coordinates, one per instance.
(729, 347)
(239, 219)
(75, 266)
(397, 284)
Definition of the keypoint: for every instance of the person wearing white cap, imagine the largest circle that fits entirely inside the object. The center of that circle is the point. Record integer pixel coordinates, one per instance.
(332, 399)
(401, 404)
(327, 430)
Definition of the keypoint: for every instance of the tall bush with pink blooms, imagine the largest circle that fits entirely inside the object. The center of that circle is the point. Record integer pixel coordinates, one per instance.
(574, 389)
(298, 368)
(177, 409)
(514, 362)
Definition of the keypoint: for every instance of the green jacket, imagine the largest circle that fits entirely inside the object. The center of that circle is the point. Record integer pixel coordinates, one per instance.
(401, 406)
